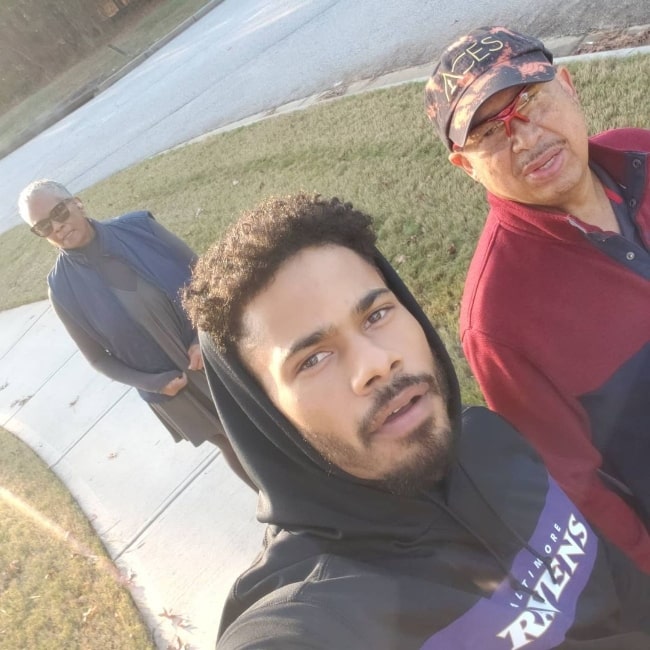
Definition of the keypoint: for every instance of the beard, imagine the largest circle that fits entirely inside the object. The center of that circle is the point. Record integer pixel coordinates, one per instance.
(427, 451)
(428, 464)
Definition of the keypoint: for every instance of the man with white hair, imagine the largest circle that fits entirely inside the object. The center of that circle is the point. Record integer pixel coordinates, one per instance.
(115, 286)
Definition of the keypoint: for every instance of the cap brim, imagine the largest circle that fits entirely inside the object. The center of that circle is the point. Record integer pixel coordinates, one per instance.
(525, 69)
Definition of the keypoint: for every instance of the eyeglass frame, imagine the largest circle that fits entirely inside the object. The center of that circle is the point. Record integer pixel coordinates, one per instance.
(53, 215)
(504, 117)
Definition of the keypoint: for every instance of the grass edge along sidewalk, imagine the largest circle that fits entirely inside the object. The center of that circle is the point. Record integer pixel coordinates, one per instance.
(58, 587)
(375, 149)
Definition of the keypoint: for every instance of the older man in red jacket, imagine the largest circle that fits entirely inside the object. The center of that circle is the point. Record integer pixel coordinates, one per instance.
(555, 320)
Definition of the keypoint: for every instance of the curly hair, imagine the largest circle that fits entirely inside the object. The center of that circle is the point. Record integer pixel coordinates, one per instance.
(245, 260)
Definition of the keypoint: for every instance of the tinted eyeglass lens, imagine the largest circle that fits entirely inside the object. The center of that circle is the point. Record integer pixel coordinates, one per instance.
(58, 213)
(495, 132)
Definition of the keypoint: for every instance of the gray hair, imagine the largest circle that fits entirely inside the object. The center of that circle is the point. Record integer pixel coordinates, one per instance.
(42, 186)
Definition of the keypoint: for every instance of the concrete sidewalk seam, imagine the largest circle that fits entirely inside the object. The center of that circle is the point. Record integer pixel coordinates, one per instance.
(20, 338)
(166, 503)
(26, 399)
(99, 418)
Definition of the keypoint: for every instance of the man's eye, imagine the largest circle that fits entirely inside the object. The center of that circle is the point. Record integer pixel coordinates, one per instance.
(313, 360)
(482, 131)
(377, 315)
(492, 129)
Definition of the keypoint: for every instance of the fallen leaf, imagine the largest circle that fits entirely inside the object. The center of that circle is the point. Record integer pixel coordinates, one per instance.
(177, 620)
(21, 402)
(88, 613)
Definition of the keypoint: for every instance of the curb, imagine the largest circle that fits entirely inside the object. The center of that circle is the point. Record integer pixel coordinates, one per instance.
(414, 74)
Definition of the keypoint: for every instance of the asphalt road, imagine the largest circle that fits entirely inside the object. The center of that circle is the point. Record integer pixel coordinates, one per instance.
(248, 56)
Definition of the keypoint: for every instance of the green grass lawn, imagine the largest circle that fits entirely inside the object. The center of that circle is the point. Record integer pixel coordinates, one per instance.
(376, 150)
(58, 589)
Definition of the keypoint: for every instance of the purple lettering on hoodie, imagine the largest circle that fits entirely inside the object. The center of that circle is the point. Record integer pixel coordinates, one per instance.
(511, 619)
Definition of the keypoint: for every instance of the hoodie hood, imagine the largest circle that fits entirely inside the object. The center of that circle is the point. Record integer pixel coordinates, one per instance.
(299, 490)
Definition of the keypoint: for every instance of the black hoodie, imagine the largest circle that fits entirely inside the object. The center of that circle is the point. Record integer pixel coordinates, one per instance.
(494, 557)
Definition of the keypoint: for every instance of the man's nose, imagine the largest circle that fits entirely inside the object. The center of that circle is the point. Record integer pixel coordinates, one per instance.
(372, 364)
(56, 226)
(523, 135)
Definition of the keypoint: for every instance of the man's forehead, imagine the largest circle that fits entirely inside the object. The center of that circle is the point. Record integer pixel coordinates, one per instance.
(43, 198)
(310, 291)
(40, 203)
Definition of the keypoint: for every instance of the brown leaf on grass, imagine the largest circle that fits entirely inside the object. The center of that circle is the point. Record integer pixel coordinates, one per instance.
(85, 616)
(12, 571)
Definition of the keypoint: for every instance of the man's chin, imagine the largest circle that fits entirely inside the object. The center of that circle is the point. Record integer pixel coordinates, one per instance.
(426, 466)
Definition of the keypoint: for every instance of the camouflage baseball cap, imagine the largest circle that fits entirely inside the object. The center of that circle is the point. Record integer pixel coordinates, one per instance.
(474, 68)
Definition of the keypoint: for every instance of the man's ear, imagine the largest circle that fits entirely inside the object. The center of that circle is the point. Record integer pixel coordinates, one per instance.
(459, 159)
(563, 76)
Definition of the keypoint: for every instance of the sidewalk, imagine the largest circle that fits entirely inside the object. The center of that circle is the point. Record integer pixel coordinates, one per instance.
(172, 516)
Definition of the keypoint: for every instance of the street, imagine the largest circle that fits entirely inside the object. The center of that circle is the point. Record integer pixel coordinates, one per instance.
(248, 56)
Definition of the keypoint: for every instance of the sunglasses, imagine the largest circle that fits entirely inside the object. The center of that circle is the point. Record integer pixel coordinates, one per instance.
(59, 213)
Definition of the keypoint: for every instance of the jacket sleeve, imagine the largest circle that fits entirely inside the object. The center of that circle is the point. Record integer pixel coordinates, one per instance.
(558, 427)
(107, 364)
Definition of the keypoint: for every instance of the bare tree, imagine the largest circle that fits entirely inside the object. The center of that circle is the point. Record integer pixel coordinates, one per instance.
(41, 38)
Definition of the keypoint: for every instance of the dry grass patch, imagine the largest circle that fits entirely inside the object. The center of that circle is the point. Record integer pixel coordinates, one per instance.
(58, 589)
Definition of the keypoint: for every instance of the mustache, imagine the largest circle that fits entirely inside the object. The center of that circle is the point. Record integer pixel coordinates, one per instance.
(387, 393)
(539, 151)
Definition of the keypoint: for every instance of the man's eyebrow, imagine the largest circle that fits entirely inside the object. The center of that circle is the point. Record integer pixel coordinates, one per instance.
(367, 300)
(316, 337)
(308, 341)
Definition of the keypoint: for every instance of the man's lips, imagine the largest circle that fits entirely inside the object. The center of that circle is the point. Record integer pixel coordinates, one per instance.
(399, 407)
(63, 236)
(542, 162)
